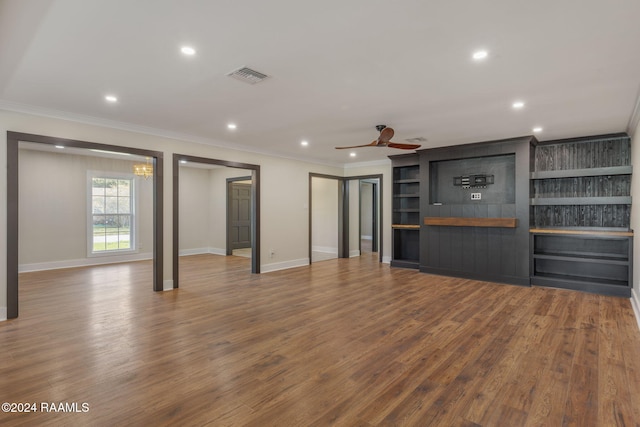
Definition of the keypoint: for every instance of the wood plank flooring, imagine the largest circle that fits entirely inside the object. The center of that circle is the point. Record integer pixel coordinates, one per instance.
(346, 342)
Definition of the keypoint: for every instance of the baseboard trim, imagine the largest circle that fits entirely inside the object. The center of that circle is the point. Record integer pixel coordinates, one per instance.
(267, 268)
(386, 259)
(200, 251)
(3, 314)
(325, 250)
(167, 285)
(635, 303)
(354, 253)
(83, 262)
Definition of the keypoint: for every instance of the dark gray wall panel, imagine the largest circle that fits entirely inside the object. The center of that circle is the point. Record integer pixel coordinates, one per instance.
(496, 254)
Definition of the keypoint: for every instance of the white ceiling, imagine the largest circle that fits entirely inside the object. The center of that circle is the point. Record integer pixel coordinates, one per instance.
(337, 68)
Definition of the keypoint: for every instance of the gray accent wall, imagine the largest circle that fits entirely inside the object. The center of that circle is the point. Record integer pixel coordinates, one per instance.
(483, 253)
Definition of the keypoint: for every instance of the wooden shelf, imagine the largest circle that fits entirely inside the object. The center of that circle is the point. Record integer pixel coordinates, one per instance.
(565, 201)
(572, 173)
(406, 226)
(581, 257)
(582, 279)
(580, 232)
(471, 222)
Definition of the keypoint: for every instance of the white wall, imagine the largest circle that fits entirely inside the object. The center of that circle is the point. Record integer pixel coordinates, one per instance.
(324, 205)
(53, 209)
(635, 216)
(194, 221)
(203, 208)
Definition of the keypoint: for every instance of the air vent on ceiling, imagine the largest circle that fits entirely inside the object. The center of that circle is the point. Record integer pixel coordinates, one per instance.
(416, 139)
(247, 75)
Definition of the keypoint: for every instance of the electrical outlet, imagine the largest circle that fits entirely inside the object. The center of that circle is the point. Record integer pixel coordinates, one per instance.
(476, 196)
(272, 253)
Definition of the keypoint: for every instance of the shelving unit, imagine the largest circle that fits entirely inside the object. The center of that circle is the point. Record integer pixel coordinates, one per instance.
(596, 262)
(406, 211)
(580, 215)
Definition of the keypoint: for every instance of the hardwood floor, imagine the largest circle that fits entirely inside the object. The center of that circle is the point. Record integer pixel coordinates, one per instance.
(346, 342)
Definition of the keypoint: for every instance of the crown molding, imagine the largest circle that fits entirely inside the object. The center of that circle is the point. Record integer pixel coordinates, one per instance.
(634, 120)
(383, 162)
(146, 130)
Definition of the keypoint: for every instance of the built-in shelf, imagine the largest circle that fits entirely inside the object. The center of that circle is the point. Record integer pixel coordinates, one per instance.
(554, 201)
(604, 286)
(588, 260)
(574, 173)
(406, 211)
(591, 257)
(471, 222)
(580, 215)
(406, 181)
(583, 232)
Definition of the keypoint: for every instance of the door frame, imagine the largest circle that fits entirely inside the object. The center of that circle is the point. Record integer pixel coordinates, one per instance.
(13, 150)
(255, 214)
(230, 182)
(343, 211)
(375, 245)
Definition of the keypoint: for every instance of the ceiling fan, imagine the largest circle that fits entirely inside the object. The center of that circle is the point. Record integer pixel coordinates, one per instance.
(383, 141)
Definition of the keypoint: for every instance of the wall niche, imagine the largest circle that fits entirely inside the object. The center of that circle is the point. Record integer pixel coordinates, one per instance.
(453, 181)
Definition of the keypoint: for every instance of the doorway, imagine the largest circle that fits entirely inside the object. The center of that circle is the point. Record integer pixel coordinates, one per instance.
(325, 218)
(239, 208)
(14, 139)
(369, 226)
(337, 222)
(204, 226)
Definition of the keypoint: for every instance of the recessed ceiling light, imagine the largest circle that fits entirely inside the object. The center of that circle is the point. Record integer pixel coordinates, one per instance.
(537, 129)
(480, 54)
(304, 143)
(59, 146)
(352, 154)
(111, 98)
(183, 161)
(232, 126)
(518, 104)
(188, 50)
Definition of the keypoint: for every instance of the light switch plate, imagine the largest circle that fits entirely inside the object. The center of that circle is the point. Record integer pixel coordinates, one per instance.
(476, 196)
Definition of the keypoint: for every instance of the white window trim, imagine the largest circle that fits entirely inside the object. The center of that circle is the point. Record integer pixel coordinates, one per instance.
(134, 236)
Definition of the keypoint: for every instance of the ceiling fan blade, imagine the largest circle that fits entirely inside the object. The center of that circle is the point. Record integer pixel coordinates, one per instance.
(385, 135)
(373, 144)
(403, 146)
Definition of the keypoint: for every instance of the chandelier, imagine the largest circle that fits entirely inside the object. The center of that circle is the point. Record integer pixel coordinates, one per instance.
(143, 169)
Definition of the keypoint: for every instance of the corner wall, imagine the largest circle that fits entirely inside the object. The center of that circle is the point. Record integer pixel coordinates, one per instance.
(635, 216)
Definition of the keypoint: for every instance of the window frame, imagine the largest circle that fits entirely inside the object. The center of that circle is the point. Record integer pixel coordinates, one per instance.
(133, 230)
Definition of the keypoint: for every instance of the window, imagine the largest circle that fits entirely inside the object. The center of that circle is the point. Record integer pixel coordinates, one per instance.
(111, 216)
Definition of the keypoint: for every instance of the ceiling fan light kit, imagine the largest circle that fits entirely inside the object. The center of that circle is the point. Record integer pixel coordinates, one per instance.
(384, 140)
